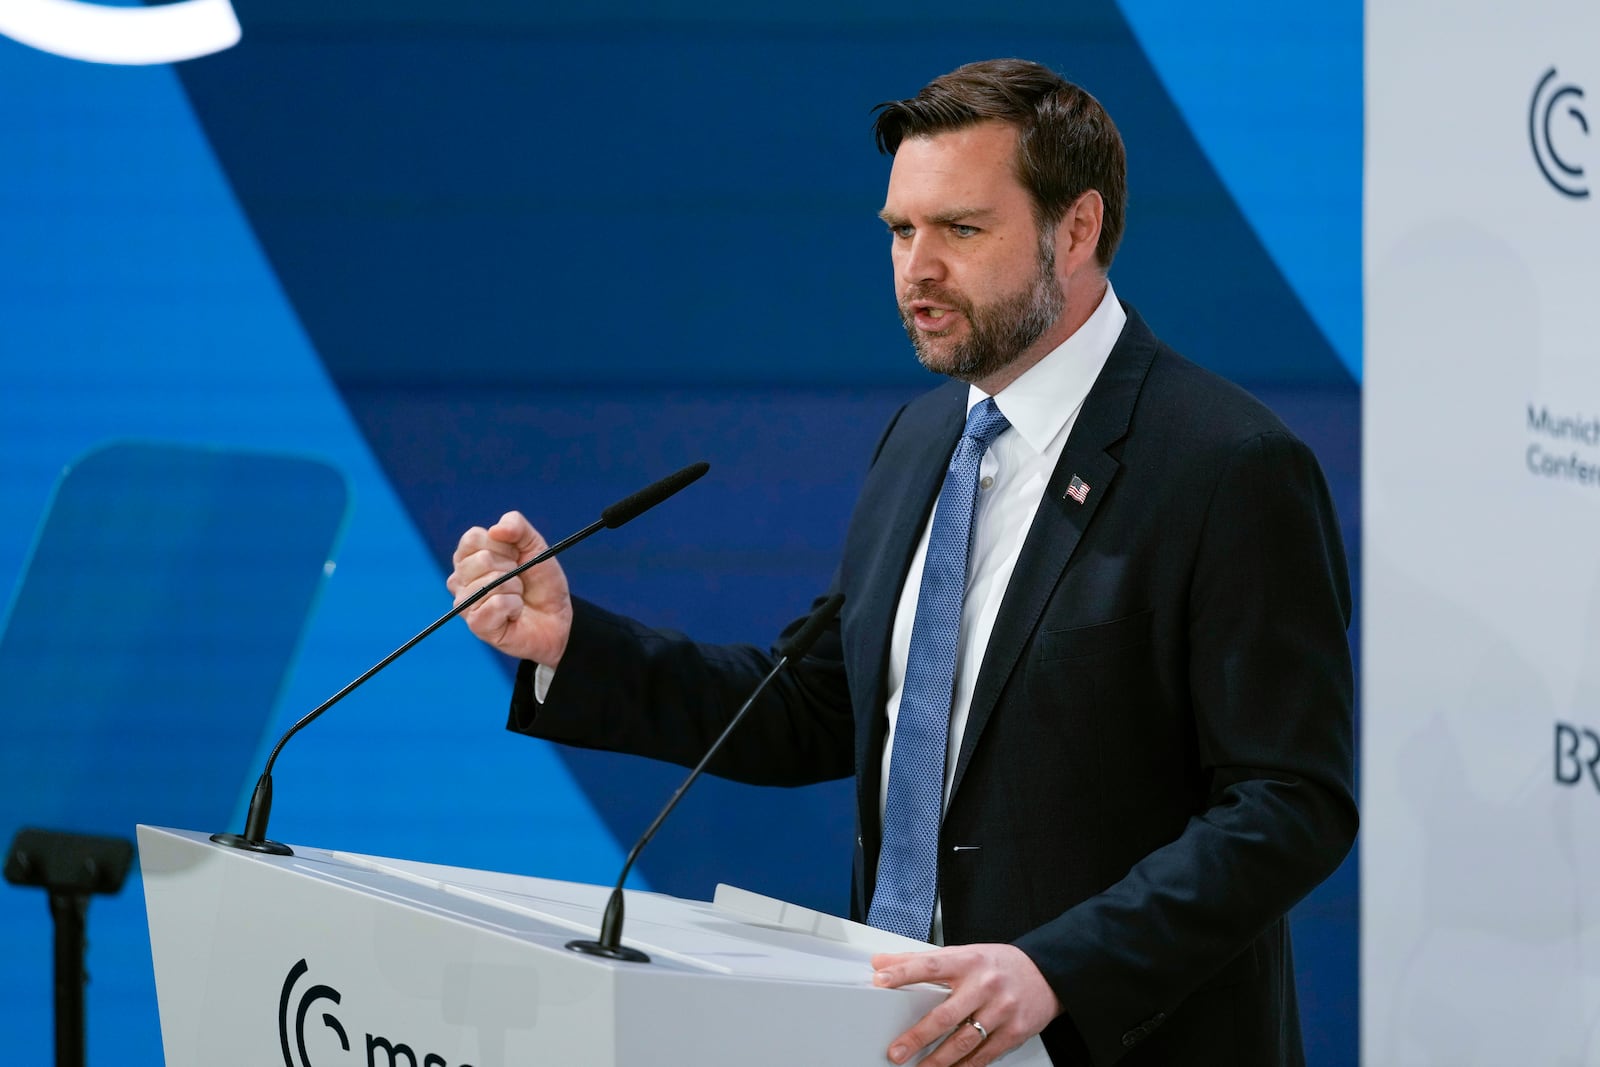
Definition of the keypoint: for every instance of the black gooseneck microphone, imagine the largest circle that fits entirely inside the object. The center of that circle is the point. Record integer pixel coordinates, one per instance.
(254, 837)
(610, 943)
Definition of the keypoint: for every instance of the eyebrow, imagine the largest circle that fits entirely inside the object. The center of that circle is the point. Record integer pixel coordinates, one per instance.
(946, 217)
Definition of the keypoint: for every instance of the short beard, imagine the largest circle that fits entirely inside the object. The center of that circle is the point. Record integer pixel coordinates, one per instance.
(999, 332)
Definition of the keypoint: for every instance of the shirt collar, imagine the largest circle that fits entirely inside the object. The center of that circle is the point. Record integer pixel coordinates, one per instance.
(1046, 395)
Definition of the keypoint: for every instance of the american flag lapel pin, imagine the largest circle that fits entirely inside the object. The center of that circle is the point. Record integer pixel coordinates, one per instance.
(1078, 490)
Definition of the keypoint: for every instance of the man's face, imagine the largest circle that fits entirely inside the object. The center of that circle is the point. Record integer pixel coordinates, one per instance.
(975, 281)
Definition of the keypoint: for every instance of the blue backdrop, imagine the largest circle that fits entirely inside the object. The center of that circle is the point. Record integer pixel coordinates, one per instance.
(482, 255)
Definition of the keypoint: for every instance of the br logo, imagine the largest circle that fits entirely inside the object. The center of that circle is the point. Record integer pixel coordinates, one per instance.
(138, 35)
(1577, 751)
(1557, 131)
(292, 1032)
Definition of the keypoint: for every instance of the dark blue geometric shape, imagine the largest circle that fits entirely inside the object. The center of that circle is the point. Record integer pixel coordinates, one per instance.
(664, 205)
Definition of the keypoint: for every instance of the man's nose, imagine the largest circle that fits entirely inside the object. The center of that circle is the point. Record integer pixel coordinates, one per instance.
(922, 261)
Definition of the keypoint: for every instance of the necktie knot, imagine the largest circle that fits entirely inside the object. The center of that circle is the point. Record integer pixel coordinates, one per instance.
(985, 423)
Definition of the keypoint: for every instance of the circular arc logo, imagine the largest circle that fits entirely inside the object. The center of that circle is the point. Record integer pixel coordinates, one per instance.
(1564, 175)
(309, 997)
(137, 35)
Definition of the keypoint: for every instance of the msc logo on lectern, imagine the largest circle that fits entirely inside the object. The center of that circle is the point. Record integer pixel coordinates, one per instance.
(1558, 132)
(310, 997)
(292, 1033)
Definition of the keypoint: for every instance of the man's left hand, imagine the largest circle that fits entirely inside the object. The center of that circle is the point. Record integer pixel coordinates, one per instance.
(996, 987)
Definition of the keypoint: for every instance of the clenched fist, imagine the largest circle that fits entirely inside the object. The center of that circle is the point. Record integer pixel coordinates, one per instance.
(530, 617)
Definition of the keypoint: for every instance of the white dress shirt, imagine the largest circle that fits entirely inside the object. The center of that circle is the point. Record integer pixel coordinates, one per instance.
(1041, 406)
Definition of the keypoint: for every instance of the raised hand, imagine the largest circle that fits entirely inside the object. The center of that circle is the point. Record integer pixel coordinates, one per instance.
(529, 617)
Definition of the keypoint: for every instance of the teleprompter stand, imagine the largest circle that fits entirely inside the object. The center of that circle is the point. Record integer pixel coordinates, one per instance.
(70, 868)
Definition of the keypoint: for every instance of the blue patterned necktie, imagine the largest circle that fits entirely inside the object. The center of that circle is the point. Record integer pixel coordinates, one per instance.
(908, 865)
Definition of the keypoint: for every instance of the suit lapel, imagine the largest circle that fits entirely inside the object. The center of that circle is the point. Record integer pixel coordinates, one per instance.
(1085, 469)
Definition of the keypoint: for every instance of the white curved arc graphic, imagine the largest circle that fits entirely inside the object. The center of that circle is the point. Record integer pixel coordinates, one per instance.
(95, 33)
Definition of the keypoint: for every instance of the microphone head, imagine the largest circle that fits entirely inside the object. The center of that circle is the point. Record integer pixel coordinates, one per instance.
(630, 508)
(797, 646)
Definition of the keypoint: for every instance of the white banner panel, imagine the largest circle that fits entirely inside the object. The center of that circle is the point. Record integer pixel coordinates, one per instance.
(1481, 608)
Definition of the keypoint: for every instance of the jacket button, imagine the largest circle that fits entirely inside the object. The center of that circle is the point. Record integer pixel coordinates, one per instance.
(1130, 1039)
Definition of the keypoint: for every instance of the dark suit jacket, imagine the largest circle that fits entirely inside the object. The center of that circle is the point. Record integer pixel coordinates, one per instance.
(1157, 761)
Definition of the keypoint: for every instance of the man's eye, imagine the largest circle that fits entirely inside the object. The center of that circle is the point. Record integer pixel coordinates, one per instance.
(904, 230)
(963, 230)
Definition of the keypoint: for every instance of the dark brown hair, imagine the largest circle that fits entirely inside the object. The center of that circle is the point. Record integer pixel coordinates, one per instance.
(1066, 142)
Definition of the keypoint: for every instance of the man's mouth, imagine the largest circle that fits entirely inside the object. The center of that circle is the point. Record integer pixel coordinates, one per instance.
(933, 317)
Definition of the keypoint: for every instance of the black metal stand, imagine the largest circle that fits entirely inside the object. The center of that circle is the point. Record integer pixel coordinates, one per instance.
(70, 867)
(70, 911)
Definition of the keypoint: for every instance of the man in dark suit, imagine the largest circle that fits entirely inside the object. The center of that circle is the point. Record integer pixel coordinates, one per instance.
(1096, 590)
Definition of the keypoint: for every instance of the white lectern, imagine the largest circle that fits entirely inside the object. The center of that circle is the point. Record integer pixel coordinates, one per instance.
(322, 959)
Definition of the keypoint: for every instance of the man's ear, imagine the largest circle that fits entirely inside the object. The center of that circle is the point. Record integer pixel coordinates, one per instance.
(1078, 233)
